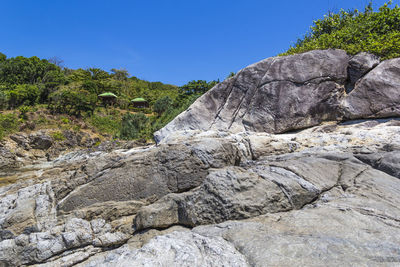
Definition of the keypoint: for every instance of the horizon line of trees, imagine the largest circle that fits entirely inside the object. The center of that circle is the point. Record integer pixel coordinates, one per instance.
(29, 81)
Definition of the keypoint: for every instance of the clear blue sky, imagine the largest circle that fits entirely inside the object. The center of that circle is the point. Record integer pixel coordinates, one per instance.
(172, 41)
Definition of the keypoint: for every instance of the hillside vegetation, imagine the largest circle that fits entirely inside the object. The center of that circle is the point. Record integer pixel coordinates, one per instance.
(377, 32)
(29, 85)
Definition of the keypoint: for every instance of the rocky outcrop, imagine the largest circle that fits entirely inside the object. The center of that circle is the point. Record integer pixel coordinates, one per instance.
(228, 189)
(150, 173)
(269, 187)
(281, 94)
(359, 66)
(41, 141)
(175, 249)
(50, 245)
(246, 192)
(377, 94)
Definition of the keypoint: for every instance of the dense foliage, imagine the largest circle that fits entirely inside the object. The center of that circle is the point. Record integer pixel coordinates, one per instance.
(27, 82)
(162, 104)
(8, 124)
(133, 126)
(354, 31)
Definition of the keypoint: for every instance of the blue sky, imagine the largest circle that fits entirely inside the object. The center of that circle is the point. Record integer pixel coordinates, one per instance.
(172, 41)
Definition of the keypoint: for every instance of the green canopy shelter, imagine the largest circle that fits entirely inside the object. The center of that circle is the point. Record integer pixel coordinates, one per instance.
(108, 98)
(108, 94)
(139, 103)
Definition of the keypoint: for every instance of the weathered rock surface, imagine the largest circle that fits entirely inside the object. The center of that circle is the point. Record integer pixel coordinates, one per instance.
(376, 94)
(359, 65)
(41, 141)
(175, 249)
(238, 194)
(7, 159)
(152, 173)
(286, 93)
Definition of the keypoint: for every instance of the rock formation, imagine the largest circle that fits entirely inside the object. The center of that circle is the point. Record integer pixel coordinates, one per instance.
(295, 161)
(281, 94)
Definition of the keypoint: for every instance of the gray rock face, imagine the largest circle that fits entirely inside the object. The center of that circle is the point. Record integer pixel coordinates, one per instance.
(175, 249)
(377, 93)
(388, 162)
(269, 187)
(152, 174)
(273, 95)
(41, 141)
(42, 246)
(7, 159)
(21, 139)
(359, 65)
(287, 93)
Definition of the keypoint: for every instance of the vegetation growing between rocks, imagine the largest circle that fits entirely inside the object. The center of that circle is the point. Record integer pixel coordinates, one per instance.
(377, 32)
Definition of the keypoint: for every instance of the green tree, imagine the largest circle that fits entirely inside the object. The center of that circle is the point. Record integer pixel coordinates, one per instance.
(26, 94)
(162, 104)
(22, 70)
(2, 57)
(73, 101)
(198, 87)
(231, 75)
(120, 74)
(355, 31)
(132, 125)
(98, 74)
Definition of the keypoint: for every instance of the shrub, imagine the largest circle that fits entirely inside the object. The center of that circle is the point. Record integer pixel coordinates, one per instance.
(106, 124)
(3, 100)
(8, 124)
(23, 110)
(64, 120)
(142, 110)
(23, 94)
(133, 126)
(162, 104)
(73, 101)
(58, 136)
(355, 31)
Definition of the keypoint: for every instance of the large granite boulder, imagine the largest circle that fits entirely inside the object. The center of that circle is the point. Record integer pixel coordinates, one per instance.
(377, 93)
(281, 94)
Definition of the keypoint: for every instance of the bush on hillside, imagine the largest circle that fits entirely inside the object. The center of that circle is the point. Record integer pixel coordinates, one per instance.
(23, 94)
(132, 126)
(8, 124)
(72, 101)
(3, 100)
(109, 124)
(162, 104)
(355, 31)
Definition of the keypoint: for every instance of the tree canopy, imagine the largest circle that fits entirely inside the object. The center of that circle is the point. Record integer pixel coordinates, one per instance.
(355, 31)
(26, 82)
